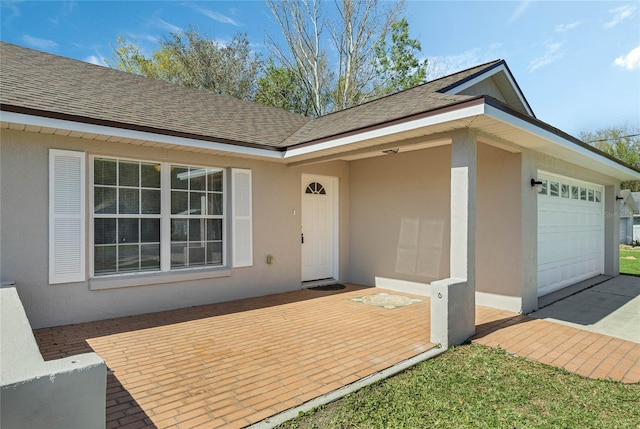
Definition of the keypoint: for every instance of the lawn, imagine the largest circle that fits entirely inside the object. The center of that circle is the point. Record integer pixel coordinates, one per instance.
(630, 260)
(479, 387)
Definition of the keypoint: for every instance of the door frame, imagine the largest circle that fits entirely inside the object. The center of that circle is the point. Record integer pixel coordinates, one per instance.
(333, 183)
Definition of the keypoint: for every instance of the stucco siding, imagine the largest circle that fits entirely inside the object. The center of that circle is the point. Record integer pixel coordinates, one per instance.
(399, 216)
(498, 237)
(24, 232)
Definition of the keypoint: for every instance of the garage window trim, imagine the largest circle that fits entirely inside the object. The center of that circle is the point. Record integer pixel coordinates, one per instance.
(151, 216)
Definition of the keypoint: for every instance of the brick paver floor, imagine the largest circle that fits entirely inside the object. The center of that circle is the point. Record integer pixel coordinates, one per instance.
(236, 363)
(586, 353)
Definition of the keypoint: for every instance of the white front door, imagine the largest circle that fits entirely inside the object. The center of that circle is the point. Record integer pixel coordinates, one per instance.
(318, 227)
(570, 232)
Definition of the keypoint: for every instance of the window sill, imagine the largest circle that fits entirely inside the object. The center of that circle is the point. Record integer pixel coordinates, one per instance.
(148, 279)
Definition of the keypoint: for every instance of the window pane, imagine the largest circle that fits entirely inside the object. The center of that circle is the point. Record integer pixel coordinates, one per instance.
(198, 179)
(104, 171)
(179, 177)
(590, 194)
(565, 191)
(196, 229)
(128, 202)
(150, 201)
(574, 192)
(104, 259)
(179, 202)
(178, 255)
(214, 229)
(128, 231)
(196, 254)
(178, 230)
(214, 180)
(104, 231)
(104, 200)
(197, 202)
(150, 230)
(554, 189)
(214, 253)
(598, 196)
(150, 257)
(214, 204)
(129, 173)
(128, 258)
(542, 189)
(583, 194)
(150, 175)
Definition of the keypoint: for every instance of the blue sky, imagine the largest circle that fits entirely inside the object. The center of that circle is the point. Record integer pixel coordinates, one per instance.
(578, 63)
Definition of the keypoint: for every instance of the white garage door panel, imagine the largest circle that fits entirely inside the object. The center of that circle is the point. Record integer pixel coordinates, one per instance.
(570, 233)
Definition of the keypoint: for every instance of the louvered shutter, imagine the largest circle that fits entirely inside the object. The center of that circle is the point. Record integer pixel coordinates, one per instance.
(242, 235)
(66, 216)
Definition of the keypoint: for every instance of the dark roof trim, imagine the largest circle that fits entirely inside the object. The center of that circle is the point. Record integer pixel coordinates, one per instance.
(538, 123)
(470, 77)
(131, 127)
(456, 105)
(481, 72)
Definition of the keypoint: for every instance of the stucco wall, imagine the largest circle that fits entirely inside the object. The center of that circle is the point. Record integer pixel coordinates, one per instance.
(498, 256)
(399, 215)
(24, 231)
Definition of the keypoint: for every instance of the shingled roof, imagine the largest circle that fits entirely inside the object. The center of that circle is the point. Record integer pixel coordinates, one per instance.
(48, 85)
(43, 84)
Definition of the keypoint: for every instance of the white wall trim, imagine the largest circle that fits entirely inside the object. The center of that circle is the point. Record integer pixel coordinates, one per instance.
(502, 302)
(156, 278)
(406, 286)
(463, 113)
(557, 140)
(40, 121)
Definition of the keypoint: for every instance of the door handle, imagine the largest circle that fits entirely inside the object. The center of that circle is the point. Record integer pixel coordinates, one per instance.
(302, 237)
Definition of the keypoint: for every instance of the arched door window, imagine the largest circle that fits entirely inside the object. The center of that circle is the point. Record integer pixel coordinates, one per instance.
(315, 188)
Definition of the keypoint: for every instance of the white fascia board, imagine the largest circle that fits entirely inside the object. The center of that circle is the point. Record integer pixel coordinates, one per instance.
(41, 121)
(556, 139)
(463, 113)
(488, 74)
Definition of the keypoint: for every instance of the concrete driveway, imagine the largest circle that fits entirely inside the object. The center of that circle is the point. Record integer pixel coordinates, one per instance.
(611, 308)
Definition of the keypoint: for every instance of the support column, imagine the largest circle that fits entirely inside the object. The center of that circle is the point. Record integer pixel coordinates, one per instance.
(529, 232)
(611, 231)
(453, 299)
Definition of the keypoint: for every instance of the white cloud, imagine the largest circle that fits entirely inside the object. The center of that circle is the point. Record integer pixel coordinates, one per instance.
(217, 16)
(161, 23)
(519, 11)
(551, 55)
(94, 59)
(36, 42)
(439, 66)
(562, 28)
(620, 14)
(631, 61)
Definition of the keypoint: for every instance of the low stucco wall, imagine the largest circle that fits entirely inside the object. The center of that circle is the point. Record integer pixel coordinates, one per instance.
(24, 230)
(65, 393)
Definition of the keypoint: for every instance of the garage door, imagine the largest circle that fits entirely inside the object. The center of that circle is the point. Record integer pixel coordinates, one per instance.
(570, 232)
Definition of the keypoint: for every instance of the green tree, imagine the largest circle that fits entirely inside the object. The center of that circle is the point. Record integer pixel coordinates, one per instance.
(278, 87)
(621, 142)
(396, 65)
(196, 61)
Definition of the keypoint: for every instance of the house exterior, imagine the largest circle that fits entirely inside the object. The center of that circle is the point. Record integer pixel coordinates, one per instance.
(124, 195)
(629, 216)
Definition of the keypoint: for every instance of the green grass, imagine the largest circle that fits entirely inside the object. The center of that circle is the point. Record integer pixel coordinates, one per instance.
(630, 266)
(472, 386)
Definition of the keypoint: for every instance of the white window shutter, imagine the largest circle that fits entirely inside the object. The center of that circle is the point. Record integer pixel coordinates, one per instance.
(66, 216)
(242, 234)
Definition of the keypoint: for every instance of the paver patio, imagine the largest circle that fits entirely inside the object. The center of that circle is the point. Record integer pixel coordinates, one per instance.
(234, 364)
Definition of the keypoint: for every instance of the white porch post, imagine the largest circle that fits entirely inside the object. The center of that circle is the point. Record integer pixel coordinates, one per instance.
(612, 231)
(453, 299)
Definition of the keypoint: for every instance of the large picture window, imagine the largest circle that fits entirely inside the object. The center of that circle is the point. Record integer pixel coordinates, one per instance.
(156, 216)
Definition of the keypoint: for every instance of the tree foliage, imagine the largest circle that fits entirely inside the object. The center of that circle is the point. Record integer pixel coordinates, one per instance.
(396, 65)
(354, 63)
(622, 142)
(194, 60)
